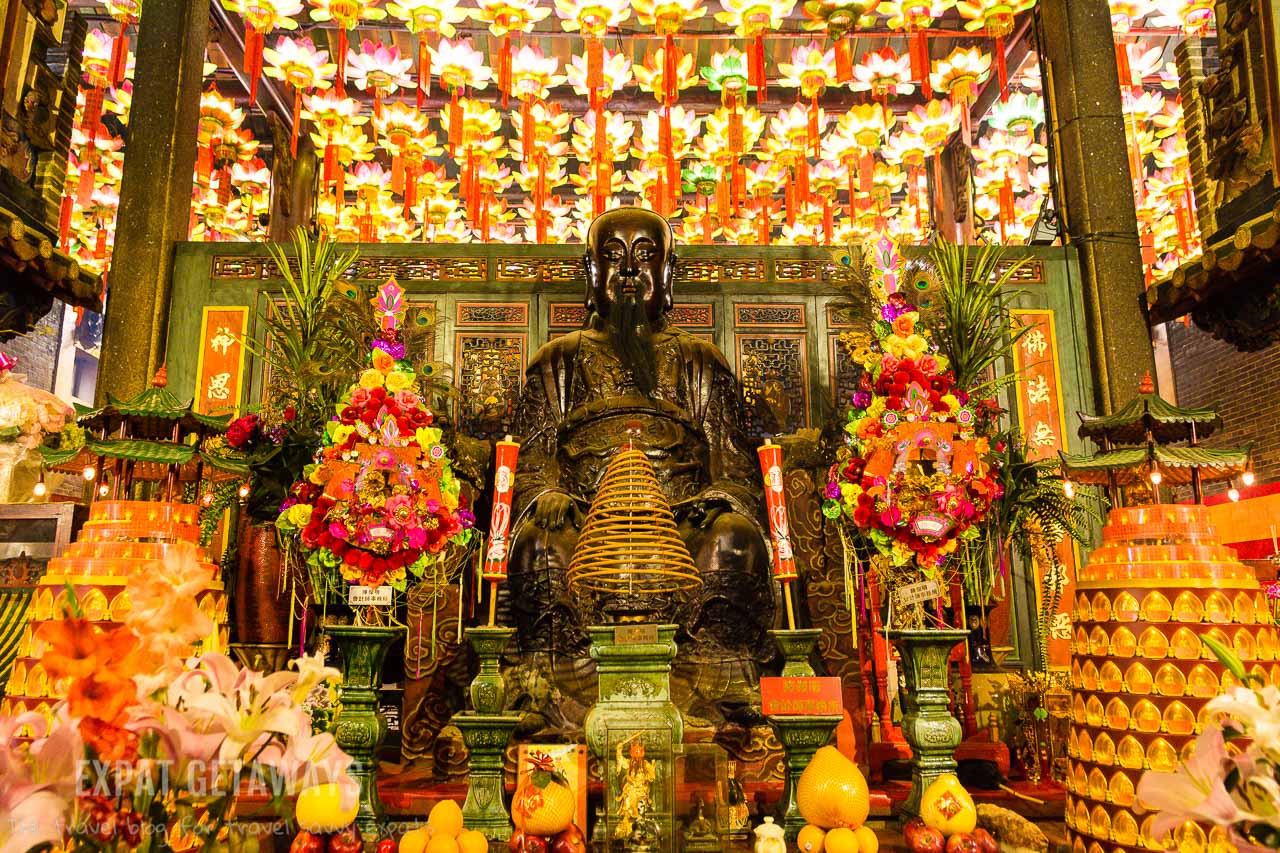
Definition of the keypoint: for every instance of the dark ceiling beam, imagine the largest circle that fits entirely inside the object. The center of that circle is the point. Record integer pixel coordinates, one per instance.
(229, 36)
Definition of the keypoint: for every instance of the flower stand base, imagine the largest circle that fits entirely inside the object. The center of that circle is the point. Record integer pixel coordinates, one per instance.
(634, 666)
(263, 657)
(486, 737)
(359, 728)
(801, 737)
(926, 717)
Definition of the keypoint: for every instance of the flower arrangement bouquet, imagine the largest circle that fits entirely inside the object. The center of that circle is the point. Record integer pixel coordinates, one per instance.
(917, 473)
(380, 502)
(151, 747)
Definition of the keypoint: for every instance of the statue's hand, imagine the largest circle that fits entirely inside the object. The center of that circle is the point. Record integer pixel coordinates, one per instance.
(552, 510)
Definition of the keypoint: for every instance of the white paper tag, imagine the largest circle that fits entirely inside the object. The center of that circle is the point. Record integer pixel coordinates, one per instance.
(918, 592)
(370, 596)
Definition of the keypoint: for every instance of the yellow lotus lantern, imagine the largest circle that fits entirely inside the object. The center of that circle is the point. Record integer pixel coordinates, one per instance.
(232, 148)
(996, 17)
(753, 19)
(884, 74)
(667, 17)
(1004, 155)
(460, 67)
(492, 179)
(1192, 16)
(810, 70)
(260, 18)
(347, 15)
(859, 133)
(787, 143)
(403, 132)
(298, 63)
(546, 125)
(728, 134)
(592, 18)
(915, 17)
(837, 18)
(219, 118)
(958, 74)
(664, 73)
(253, 181)
(826, 179)
(424, 18)
(345, 145)
(887, 181)
(665, 138)
(503, 18)
(1125, 14)
(335, 117)
(601, 144)
(379, 69)
(1173, 188)
(908, 150)
(474, 127)
(532, 76)
(615, 73)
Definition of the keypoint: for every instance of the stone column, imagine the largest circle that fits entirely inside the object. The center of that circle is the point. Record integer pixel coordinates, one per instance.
(1078, 57)
(155, 194)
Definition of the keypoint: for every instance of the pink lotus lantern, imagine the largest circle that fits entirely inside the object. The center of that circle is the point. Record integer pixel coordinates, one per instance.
(424, 18)
(532, 78)
(788, 142)
(461, 67)
(260, 18)
(837, 18)
(219, 117)
(602, 143)
(653, 77)
(615, 73)
(403, 132)
(996, 17)
(1192, 16)
(337, 120)
(253, 181)
(492, 179)
(665, 139)
(593, 18)
(884, 74)
(753, 19)
(957, 75)
(380, 70)
(298, 63)
(505, 17)
(811, 70)
(347, 14)
(546, 125)
(915, 17)
(908, 150)
(667, 17)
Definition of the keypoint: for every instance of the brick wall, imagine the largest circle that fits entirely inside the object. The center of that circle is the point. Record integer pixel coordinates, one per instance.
(1243, 386)
(37, 351)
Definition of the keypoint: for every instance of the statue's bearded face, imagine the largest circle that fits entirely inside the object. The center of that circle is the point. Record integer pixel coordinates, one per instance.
(628, 256)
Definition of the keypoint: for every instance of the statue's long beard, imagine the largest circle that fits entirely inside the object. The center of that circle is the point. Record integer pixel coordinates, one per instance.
(633, 340)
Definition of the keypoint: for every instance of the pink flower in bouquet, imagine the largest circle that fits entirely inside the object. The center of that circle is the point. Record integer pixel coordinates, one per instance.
(338, 530)
(360, 398)
(929, 364)
(37, 785)
(406, 400)
(385, 460)
(888, 364)
(399, 511)
(1195, 791)
(891, 517)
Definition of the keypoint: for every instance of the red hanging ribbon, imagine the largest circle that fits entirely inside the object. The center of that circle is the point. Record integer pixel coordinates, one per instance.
(1006, 208)
(866, 171)
(297, 119)
(670, 64)
(84, 188)
(340, 82)
(722, 199)
(764, 222)
(756, 70)
(526, 129)
(595, 63)
(424, 69)
(330, 163)
(1002, 70)
(789, 199)
(455, 122)
(665, 144)
(812, 129)
(100, 244)
(397, 173)
(92, 115)
(920, 62)
(802, 181)
(410, 191)
(118, 67)
(828, 224)
(504, 70)
(1124, 67)
(204, 162)
(64, 222)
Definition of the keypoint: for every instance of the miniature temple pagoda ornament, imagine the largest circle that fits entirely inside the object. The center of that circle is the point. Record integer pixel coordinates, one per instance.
(1147, 599)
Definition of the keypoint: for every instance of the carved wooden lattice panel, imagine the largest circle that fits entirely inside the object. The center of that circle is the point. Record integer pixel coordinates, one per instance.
(844, 373)
(493, 314)
(770, 315)
(489, 369)
(774, 372)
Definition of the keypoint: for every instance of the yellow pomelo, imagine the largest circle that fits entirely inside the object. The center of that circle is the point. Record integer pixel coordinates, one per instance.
(415, 840)
(472, 841)
(442, 844)
(320, 809)
(832, 792)
(867, 841)
(445, 819)
(947, 807)
(841, 840)
(810, 839)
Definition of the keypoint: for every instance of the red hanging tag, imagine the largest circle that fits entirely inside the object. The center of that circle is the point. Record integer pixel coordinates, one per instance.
(812, 129)
(224, 186)
(764, 222)
(866, 171)
(526, 129)
(100, 244)
(673, 184)
(735, 132)
(853, 193)
(921, 65)
(665, 144)
(204, 162)
(722, 200)
(424, 71)
(756, 67)
(599, 141)
(1124, 67)
(253, 43)
(669, 60)
(118, 66)
(802, 181)
(330, 163)
(340, 81)
(92, 115)
(297, 120)
(828, 223)
(455, 122)
(844, 59)
(84, 189)
(64, 222)
(789, 199)
(595, 63)
(1006, 206)
(504, 70)
(397, 173)
(377, 103)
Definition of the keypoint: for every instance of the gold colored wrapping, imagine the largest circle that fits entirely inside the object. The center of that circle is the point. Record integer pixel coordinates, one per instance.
(629, 542)
(1140, 675)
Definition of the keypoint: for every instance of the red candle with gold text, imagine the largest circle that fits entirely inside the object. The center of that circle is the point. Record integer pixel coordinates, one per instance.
(775, 498)
(504, 477)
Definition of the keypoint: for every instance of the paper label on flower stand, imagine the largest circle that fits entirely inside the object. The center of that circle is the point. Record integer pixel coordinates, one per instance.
(918, 592)
(370, 596)
(801, 697)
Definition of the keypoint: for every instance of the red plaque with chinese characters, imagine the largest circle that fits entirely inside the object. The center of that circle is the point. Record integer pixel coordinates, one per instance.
(220, 368)
(801, 697)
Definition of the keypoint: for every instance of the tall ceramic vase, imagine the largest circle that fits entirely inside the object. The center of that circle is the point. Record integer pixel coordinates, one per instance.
(359, 728)
(927, 724)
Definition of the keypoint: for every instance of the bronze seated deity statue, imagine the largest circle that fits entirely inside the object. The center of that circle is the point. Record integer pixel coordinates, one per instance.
(629, 375)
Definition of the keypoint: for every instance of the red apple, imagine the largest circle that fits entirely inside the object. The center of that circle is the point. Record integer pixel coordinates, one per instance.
(346, 841)
(986, 841)
(963, 842)
(534, 844)
(570, 841)
(306, 842)
(912, 829)
(929, 840)
(387, 845)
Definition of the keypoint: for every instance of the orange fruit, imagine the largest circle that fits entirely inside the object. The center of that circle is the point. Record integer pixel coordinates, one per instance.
(442, 844)
(415, 840)
(444, 819)
(841, 840)
(544, 803)
(810, 839)
(833, 792)
(867, 841)
(472, 841)
(319, 809)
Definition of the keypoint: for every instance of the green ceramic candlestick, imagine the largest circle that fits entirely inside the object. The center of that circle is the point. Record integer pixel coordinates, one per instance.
(359, 728)
(796, 646)
(486, 731)
(488, 694)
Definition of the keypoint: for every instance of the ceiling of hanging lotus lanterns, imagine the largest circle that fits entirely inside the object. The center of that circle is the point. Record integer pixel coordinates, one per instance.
(744, 121)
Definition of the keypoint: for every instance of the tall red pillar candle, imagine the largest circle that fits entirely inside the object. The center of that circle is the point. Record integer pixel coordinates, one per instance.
(504, 477)
(775, 496)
